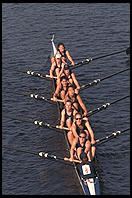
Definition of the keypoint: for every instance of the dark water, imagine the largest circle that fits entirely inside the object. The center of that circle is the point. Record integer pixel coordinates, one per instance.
(87, 30)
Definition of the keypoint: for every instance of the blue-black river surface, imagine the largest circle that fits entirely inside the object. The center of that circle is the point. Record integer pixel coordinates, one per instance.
(87, 30)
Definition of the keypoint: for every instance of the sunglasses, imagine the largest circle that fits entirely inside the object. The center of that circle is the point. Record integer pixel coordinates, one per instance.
(78, 118)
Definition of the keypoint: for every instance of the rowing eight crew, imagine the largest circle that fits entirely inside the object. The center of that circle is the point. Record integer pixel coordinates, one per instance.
(80, 134)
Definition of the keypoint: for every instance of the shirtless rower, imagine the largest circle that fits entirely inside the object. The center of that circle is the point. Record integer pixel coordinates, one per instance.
(80, 124)
(67, 116)
(76, 99)
(81, 145)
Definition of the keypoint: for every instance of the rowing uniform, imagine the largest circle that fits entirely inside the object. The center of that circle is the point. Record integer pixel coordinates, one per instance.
(79, 145)
(69, 116)
(62, 89)
(78, 130)
(58, 66)
(63, 54)
(69, 79)
(75, 99)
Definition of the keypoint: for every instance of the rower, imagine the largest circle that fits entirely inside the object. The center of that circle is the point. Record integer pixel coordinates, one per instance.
(65, 54)
(71, 78)
(76, 99)
(81, 123)
(86, 167)
(61, 89)
(80, 145)
(67, 116)
(57, 66)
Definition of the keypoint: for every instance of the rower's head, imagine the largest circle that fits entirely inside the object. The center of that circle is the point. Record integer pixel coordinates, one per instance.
(78, 118)
(84, 157)
(71, 90)
(68, 105)
(67, 70)
(64, 81)
(82, 136)
(58, 57)
(61, 47)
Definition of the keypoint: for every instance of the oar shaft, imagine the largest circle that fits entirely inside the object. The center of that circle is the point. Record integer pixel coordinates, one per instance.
(104, 106)
(111, 136)
(32, 73)
(114, 74)
(114, 53)
(48, 76)
(88, 60)
(47, 155)
(20, 150)
(95, 82)
(39, 123)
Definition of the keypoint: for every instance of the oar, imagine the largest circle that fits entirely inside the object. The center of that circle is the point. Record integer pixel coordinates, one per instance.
(47, 155)
(32, 73)
(39, 123)
(88, 60)
(104, 106)
(41, 154)
(48, 76)
(35, 96)
(109, 137)
(95, 82)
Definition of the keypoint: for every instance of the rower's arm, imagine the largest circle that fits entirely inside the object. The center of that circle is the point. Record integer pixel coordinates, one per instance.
(82, 104)
(52, 69)
(73, 129)
(62, 118)
(75, 81)
(56, 91)
(70, 58)
(62, 69)
(72, 149)
(87, 124)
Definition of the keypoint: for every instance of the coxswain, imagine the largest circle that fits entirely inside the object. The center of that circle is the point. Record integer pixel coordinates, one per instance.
(71, 78)
(80, 145)
(76, 99)
(82, 123)
(65, 54)
(57, 66)
(67, 117)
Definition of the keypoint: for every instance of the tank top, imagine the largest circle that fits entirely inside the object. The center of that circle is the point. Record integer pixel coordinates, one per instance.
(62, 89)
(69, 116)
(78, 130)
(63, 54)
(75, 98)
(79, 145)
